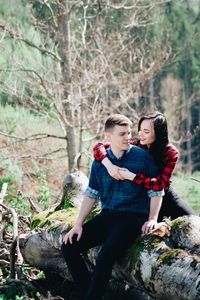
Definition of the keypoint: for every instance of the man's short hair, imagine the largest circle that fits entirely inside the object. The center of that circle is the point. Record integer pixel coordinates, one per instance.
(117, 119)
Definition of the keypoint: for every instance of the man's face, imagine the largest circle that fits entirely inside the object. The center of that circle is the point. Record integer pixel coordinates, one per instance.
(119, 137)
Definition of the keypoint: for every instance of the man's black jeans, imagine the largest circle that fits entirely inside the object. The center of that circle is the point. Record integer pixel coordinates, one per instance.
(115, 231)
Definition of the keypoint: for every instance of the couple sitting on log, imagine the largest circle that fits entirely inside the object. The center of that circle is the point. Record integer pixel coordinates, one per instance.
(129, 178)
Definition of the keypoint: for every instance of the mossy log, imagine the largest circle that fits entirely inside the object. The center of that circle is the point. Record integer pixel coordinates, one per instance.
(165, 267)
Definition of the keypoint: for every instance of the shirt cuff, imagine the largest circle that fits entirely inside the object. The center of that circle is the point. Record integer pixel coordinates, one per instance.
(91, 193)
(152, 193)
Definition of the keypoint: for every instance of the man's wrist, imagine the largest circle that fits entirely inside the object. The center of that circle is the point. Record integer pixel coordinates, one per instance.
(79, 223)
(153, 218)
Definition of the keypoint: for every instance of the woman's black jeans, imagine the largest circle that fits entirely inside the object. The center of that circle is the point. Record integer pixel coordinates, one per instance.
(173, 206)
(115, 232)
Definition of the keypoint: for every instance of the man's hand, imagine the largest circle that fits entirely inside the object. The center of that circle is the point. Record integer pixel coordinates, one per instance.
(149, 225)
(76, 230)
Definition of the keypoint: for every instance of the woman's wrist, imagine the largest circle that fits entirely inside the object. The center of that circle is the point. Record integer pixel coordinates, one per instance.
(132, 176)
(106, 162)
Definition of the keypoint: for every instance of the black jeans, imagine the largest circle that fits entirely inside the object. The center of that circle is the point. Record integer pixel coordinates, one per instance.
(173, 206)
(115, 231)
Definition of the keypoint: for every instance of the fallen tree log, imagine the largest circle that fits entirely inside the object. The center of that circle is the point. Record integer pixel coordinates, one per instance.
(166, 267)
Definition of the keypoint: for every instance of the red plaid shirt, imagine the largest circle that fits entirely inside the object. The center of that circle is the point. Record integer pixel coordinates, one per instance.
(162, 181)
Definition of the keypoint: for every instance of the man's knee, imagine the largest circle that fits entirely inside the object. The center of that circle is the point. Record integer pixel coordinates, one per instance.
(67, 249)
(106, 258)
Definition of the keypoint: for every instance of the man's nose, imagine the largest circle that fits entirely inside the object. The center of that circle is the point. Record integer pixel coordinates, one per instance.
(127, 136)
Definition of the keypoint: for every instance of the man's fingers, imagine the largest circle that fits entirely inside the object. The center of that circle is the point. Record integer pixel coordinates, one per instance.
(70, 238)
(65, 239)
(79, 236)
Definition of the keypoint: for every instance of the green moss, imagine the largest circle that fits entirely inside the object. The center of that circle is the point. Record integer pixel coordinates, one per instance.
(151, 242)
(148, 243)
(167, 258)
(171, 255)
(138, 247)
(61, 217)
(40, 217)
(52, 219)
(177, 223)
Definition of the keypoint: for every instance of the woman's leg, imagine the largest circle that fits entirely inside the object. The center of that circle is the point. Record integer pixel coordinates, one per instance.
(173, 206)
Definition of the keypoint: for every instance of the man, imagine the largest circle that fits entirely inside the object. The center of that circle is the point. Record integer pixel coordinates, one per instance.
(126, 210)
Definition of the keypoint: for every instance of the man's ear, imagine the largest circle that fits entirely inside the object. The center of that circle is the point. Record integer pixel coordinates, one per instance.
(107, 136)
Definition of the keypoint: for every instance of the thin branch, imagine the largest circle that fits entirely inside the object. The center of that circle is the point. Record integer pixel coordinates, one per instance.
(34, 207)
(195, 179)
(4, 263)
(14, 35)
(12, 258)
(33, 137)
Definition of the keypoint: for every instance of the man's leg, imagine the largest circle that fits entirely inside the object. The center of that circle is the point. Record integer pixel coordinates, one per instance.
(94, 232)
(173, 206)
(123, 231)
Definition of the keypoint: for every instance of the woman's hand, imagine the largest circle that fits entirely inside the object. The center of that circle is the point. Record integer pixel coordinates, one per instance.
(126, 174)
(114, 171)
(117, 172)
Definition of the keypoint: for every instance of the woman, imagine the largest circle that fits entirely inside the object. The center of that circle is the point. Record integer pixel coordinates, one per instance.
(153, 136)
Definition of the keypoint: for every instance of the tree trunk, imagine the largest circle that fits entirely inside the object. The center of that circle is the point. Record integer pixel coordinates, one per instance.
(67, 101)
(166, 267)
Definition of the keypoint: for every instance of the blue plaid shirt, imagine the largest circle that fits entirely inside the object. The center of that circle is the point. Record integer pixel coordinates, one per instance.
(123, 195)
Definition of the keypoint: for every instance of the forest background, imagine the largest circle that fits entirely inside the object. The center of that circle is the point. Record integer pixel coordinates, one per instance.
(66, 65)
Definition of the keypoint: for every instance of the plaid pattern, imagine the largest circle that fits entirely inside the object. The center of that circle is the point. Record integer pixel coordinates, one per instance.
(162, 181)
(91, 193)
(123, 195)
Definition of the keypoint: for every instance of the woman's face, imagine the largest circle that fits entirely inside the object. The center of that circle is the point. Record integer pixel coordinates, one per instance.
(146, 133)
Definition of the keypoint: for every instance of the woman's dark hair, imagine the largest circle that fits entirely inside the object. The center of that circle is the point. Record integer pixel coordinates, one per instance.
(157, 148)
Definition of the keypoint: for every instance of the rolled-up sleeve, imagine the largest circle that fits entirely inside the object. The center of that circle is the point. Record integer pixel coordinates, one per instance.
(91, 193)
(152, 193)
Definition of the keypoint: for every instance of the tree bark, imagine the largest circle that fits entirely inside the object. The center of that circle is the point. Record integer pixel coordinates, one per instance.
(66, 73)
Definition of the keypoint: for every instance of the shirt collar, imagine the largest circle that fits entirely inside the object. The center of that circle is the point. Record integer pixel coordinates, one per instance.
(112, 155)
